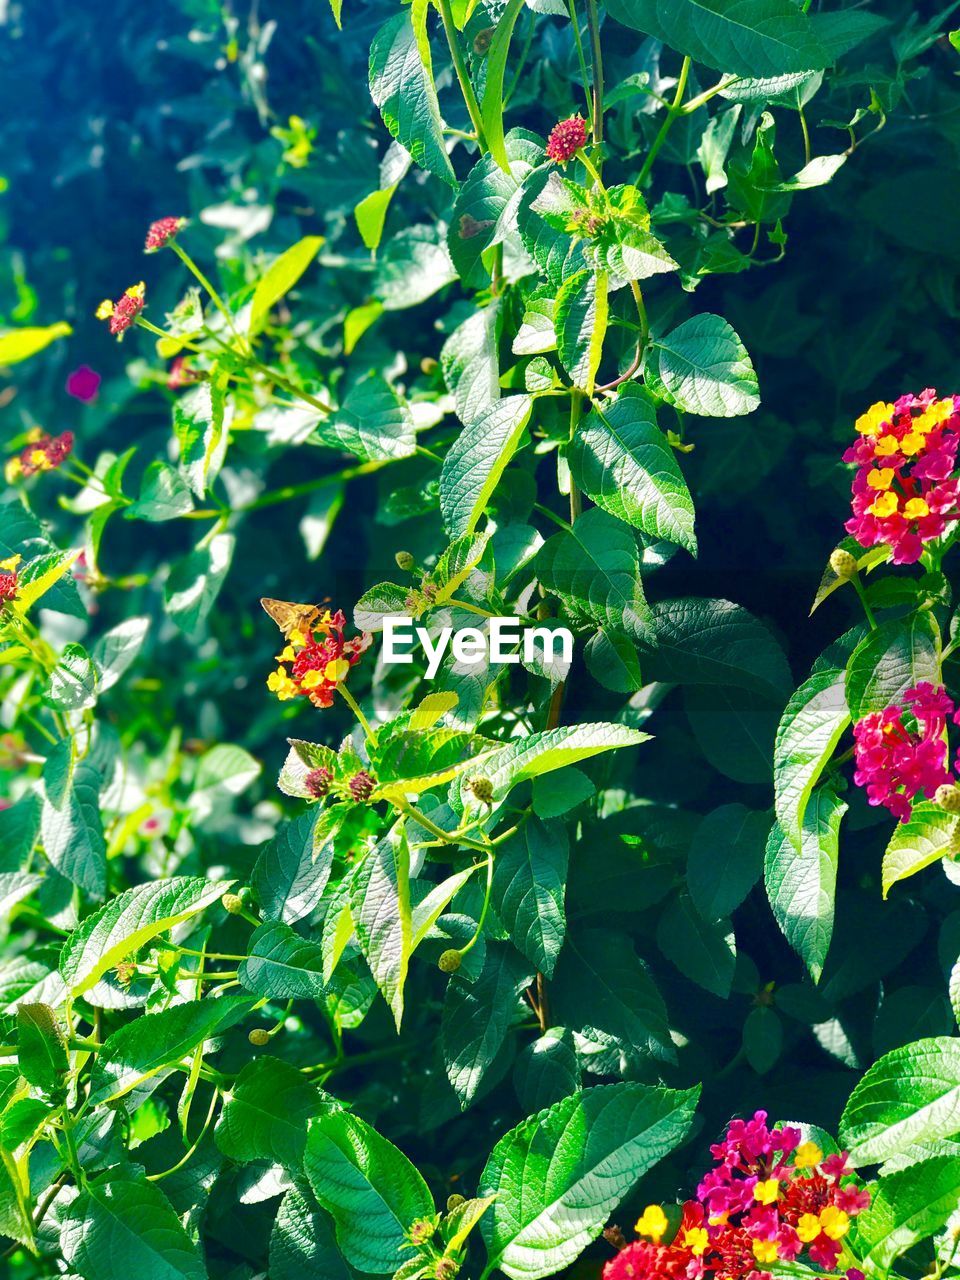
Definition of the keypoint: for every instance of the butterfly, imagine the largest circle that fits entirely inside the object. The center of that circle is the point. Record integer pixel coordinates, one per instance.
(290, 616)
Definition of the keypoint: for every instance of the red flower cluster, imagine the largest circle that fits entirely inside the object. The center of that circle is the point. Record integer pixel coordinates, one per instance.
(162, 232)
(896, 760)
(180, 374)
(318, 661)
(317, 782)
(566, 139)
(124, 312)
(769, 1198)
(43, 453)
(9, 578)
(904, 491)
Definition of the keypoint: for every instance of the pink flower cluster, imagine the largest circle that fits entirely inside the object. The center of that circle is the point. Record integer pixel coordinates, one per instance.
(566, 139)
(770, 1197)
(905, 491)
(897, 759)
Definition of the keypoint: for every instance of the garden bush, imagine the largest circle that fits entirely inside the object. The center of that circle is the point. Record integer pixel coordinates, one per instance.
(336, 946)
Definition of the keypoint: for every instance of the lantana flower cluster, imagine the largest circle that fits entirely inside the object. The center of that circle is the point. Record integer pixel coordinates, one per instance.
(9, 578)
(566, 139)
(905, 491)
(124, 312)
(43, 452)
(312, 664)
(770, 1198)
(161, 232)
(901, 751)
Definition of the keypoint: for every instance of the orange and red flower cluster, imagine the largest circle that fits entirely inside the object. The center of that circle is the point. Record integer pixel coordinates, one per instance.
(905, 491)
(902, 750)
(9, 578)
(315, 663)
(566, 139)
(124, 312)
(769, 1198)
(43, 453)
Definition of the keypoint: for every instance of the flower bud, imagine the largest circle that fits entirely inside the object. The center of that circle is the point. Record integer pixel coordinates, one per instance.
(259, 1036)
(446, 1269)
(404, 561)
(449, 962)
(317, 782)
(843, 564)
(454, 1202)
(482, 789)
(948, 797)
(232, 902)
(429, 365)
(421, 1231)
(362, 786)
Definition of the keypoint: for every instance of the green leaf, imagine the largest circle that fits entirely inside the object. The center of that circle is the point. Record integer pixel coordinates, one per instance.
(483, 210)
(611, 659)
(909, 1096)
(21, 344)
(265, 1114)
(380, 909)
(198, 416)
(529, 878)
(506, 767)
(559, 1174)
(594, 569)
(762, 1039)
(622, 461)
(477, 459)
(117, 649)
(164, 495)
(894, 657)
(370, 215)
(403, 90)
(745, 37)
(194, 583)
(547, 1070)
(811, 726)
(413, 265)
(557, 793)
(19, 828)
(906, 1207)
(704, 951)
(714, 642)
(923, 839)
(141, 1049)
(603, 991)
(537, 333)
(292, 871)
(801, 885)
(302, 1243)
(40, 575)
(73, 681)
(121, 1226)
(370, 1188)
(70, 824)
(41, 1047)
(580, 319)
(374, 423)
(279, 279)
(726, 859)
(702, 367)
(470, 365)
(125, 923)
(477, 1014)
(282, 965)
(491, 108)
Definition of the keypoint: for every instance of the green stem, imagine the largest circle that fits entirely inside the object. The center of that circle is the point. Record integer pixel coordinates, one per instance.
(858, 587)
(576, 403)
(483, 911)
(454, 603)
(463, 75)
(447, 837)
(593, 24)
(674, 110)
(581, 58)
(215, 298)
(695, 103)
(354, 706)
(592, 170)
(158, 1177)
(807, 151)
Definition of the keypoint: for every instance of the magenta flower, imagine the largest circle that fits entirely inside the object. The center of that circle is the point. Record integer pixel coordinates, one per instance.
(84, 384)
(897, 759)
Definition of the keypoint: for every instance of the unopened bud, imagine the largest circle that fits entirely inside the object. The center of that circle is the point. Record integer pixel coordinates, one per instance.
(948, 797)
(446, 1269)
(232, 902)
(421, 1231)
(362, 786)
(454, 1202)
(449, 962)
(429, 365)
(482, 788)
(843, 564)
(404, 561)
(259, 1036)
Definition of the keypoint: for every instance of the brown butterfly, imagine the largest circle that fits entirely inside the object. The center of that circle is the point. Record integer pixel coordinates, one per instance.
(290, 616)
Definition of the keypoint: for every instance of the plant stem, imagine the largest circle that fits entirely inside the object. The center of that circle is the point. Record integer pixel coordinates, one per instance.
(483, 911)
(447, 837)
(157, 1177)
(593, 24)
(674, 110)
(215, 298)
(576, 403)
(868, 612)
(581, 58)
(463, 75)
(354, 706)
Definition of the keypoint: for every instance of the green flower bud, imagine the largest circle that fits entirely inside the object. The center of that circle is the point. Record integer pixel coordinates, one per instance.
(449, 962)
(454, 1202)
(843, 564)
(948, 797)
(404, 561)
(232, 902)
(482, 788)
(259, 1036)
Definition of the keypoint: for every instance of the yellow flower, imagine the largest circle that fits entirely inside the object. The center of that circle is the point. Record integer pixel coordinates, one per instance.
(912, 443)
(311, 679)
(768, 1191)
(808, 1228)
(296, 637)
(336, 671)
(11, 563)
(916, 509)
(880, 477)
(288, 654)
(136, 290)
(105, 310)
(886, 446)
(279, 682)
(696, 1240)
(766, 1250)
(652, 1222)
(834, 1222)
(869, 423)
(719, 1219)
(885, 504)
(807, 1155)
(13, 469)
